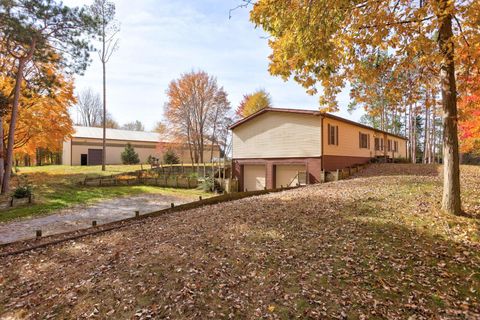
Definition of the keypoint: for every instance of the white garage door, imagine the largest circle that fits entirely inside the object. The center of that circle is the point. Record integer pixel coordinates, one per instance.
(253, 177)
(287, 175)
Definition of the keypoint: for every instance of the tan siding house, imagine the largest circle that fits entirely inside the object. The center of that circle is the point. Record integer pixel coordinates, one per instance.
(272, 146)
(271, 137)
(84, 147)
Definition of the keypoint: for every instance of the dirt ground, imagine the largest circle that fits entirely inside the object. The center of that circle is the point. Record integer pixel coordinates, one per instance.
(373, 247)
(79, 217)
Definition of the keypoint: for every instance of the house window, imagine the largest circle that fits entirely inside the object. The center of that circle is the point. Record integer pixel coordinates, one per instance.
(389, 145)
(364, 141)
(395, 146)
(333, 135)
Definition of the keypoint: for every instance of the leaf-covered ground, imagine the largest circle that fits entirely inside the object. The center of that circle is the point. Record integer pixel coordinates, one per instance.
(373, 247)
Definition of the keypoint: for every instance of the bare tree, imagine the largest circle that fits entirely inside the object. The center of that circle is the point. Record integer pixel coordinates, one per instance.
(104, 12)
(89, 108)
(134, 126)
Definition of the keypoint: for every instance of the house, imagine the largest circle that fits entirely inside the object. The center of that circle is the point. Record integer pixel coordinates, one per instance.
(84, 147)
(272, 146)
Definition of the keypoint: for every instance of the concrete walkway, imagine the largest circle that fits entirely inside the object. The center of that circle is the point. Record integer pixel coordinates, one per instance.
(79, 217)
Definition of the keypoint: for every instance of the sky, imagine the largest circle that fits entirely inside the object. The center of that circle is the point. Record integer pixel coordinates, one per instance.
(159, 40)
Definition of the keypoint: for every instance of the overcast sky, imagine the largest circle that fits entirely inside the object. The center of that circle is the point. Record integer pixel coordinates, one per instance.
(160, 40)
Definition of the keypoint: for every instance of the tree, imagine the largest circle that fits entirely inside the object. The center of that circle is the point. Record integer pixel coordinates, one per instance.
(254, 102)
(134, 126)
(108, 28)
(170, 157)
(129, 156)
(324, 43)
(195, 111)
(89, 108)
(376, 95)
(43, 120)
(35, 32)
(469, 106)
(160, 127)
(110, 123)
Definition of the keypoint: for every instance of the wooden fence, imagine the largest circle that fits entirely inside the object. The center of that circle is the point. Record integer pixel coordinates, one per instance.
(173, 181)
(327, 176)
(174, 176)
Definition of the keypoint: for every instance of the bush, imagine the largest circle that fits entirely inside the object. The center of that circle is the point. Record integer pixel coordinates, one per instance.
(210, 185)
(470, 158)
(193, 175)
(170, 157)
(129, 156)
(22, 192)
(24, 188)
(151, 160)
(401, 160)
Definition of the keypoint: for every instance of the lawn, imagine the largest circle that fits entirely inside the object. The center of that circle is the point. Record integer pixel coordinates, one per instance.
(373, 247)
(57, 187)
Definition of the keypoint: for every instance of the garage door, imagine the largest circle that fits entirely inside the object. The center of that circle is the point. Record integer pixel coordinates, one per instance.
(253, 177)
(287, 175)
(94, 157)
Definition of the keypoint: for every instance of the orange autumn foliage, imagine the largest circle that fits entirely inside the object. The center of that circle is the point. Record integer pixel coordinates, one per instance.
(43, 120)
(469, 125)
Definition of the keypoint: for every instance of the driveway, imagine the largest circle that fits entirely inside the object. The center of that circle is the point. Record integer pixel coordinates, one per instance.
(80, 217)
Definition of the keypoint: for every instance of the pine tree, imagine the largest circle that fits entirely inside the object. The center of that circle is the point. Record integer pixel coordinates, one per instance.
(129, 156)
(170, 157)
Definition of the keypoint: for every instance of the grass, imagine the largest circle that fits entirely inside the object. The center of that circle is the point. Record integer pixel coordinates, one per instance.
(373, 247)
(57, 187)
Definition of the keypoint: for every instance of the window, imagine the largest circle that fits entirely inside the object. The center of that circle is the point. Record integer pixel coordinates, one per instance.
(395, 146)
(389, 145)
(364, 141)
(333, 135)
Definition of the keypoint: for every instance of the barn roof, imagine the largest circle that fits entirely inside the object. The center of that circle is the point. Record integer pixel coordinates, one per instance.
(117, 134)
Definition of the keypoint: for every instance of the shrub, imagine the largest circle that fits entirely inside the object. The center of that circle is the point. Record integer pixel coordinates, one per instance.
(470, 158)
(193, 175)
(24, 188)
(151, 160)
(22, 192)
(401, 160)
(170, 157)
(210, 185)
(129, 156)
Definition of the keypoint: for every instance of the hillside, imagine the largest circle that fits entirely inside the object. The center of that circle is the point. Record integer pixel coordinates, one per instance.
(375, 246)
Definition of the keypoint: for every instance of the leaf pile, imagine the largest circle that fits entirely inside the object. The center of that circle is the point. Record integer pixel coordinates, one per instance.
(369, 247)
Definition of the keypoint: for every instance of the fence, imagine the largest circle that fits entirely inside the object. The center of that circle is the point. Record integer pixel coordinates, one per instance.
(174, 176)
(162, 181)
(215, 169)
(327, 176)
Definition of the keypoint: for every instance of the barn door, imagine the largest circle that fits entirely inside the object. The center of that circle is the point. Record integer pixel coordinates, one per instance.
(94, 157)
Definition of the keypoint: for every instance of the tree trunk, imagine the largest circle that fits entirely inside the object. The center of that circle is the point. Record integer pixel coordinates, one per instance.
(434, 133)
(104, 138)
(2, 155)
(414, 134)
(104, 62)
(451, 201)
(426, 135)
(11, 130)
